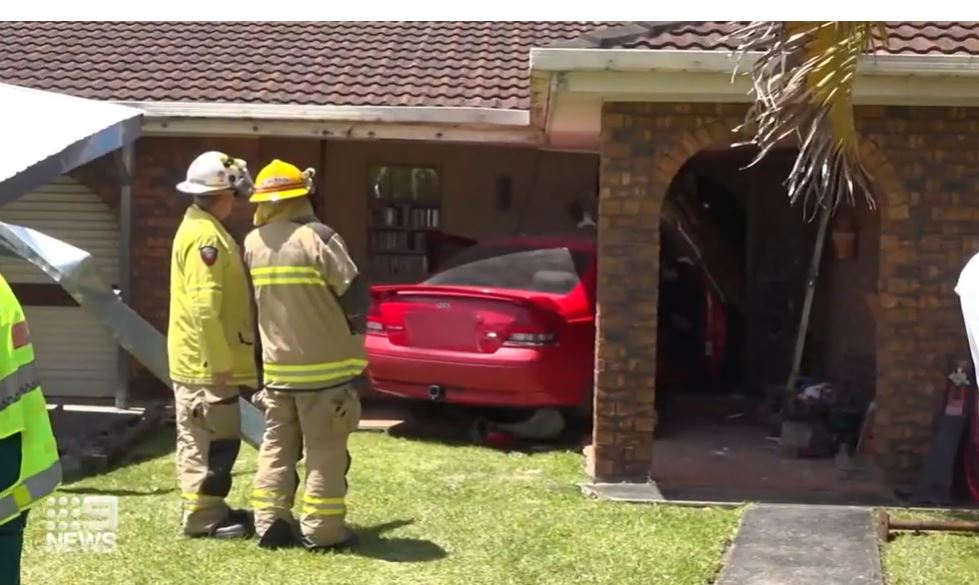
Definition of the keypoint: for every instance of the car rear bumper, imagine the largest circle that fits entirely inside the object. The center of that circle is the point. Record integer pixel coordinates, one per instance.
(509, 378)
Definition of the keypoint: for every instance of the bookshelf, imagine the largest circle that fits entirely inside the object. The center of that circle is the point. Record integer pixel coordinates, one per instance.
(405, 205)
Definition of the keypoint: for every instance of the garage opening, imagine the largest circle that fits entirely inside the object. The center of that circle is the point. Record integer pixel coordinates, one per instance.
(76, 356)
(735, 257)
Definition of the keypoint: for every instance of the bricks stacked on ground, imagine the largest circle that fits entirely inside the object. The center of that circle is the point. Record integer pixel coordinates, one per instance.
(924, 161)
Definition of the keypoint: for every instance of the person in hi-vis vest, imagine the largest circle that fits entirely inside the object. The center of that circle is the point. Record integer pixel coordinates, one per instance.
(30, 468)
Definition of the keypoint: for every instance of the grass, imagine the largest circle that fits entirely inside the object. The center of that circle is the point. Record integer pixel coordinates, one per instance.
(932, 558)
(426, 513)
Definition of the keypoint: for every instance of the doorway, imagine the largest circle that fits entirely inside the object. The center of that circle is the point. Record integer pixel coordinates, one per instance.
(734, 262)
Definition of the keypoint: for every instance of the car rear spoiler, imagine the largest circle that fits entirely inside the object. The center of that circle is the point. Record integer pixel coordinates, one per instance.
(530, 299)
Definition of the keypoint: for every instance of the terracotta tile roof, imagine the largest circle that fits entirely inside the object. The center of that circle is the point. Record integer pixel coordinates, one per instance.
(462, 64)
(920, 38)
(471, 64)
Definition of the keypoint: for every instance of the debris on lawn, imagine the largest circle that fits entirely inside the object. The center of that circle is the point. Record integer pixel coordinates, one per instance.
(886, 524)
(544, 424)
(94, 449)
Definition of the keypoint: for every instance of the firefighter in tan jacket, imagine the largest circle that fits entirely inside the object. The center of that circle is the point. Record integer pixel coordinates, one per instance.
(210, 345)
(311, 303)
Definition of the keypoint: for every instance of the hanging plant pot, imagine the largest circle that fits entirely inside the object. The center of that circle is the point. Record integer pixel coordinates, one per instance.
(844, 235)
(844, 243)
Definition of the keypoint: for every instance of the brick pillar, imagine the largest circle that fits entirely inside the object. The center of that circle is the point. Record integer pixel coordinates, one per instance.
(628, 282)
(643, 148)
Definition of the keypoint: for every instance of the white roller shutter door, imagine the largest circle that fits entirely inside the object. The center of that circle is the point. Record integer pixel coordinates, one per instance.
(77, 357)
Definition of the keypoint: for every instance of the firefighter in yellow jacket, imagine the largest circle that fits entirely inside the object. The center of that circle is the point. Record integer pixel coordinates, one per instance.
(29, 466)
(311, 304)
(211, 345)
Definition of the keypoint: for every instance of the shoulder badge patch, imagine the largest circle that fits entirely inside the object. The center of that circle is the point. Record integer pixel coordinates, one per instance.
(20, 334)
(209, 255)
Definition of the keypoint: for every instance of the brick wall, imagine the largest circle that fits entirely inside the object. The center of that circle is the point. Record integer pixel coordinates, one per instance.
(924, 161)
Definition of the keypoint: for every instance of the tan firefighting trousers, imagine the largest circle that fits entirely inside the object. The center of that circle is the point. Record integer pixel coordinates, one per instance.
(318, 425)
(208, 441)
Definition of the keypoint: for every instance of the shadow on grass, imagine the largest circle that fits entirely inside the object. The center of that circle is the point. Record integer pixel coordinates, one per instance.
(373, 545)
(101, 492)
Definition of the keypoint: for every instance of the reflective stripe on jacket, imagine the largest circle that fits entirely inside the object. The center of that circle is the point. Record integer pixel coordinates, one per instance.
(23, 414)
(211, 327)
(299, 268)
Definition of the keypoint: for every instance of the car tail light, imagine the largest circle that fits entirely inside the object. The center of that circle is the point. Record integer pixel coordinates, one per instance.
(532, 328)
(375, 327)
(379, 322)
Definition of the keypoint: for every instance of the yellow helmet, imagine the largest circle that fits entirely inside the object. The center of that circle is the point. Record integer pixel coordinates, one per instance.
(280, 180)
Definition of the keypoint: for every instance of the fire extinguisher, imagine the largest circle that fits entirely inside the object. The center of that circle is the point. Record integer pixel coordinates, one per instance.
(968, 399)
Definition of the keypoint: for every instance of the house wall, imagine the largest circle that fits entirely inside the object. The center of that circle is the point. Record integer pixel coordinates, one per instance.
(924, 161)
(542, 184)
(843, 323)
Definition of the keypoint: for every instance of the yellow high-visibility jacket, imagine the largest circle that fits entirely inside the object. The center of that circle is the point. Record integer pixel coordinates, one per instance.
(211, 327)
(24, 423)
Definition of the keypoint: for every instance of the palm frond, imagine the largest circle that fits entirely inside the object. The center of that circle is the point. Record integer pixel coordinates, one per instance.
(803, 85)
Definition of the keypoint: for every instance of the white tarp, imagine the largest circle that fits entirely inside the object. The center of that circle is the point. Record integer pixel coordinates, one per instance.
(48, 134)
(968, 291)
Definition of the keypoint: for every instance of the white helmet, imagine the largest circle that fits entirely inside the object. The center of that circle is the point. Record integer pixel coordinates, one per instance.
(215, 171)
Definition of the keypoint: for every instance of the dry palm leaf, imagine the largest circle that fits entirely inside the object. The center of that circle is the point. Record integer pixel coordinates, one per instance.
(803, 83)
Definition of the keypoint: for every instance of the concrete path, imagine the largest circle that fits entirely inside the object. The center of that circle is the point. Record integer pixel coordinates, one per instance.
(804, 545)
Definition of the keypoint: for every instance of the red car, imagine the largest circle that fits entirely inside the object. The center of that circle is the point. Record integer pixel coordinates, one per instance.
(505, 323)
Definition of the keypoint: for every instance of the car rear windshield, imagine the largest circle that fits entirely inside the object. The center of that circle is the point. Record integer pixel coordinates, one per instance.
(555, 270)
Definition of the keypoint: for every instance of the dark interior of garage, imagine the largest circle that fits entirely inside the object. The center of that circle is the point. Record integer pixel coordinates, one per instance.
(735, 255)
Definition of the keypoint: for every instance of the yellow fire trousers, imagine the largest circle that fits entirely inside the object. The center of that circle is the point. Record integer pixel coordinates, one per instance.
(317, 424)
(208, 441)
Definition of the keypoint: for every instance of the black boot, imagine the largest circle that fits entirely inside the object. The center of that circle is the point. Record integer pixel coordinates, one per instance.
(349, 541)
(279, 535)
(246, 517)
(229, 528)
(237, 525)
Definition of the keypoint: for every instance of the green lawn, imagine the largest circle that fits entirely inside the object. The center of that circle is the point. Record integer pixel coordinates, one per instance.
(932, 558)
(427, 514)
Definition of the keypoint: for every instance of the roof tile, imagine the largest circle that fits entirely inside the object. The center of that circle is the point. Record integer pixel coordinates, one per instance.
(922, 38)
(463, 64)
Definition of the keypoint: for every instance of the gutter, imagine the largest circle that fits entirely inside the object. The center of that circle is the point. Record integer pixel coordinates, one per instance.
(675, 61)
(318, 113)
(432, 124)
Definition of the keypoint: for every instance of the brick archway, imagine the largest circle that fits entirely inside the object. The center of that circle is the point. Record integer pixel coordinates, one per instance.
(643, 148)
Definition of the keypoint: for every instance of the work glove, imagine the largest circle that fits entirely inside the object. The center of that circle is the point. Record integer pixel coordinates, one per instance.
(258, 399)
